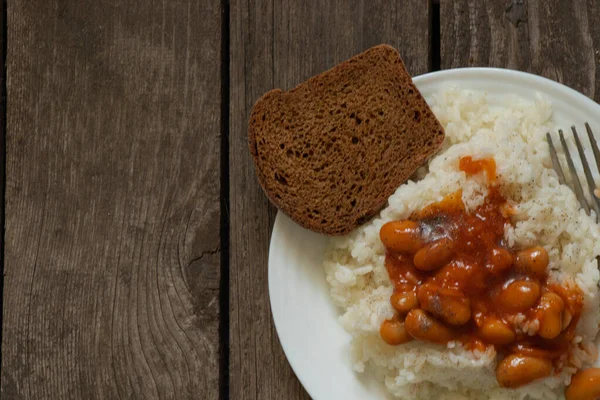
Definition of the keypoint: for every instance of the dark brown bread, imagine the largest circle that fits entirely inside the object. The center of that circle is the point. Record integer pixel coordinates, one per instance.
(331, 151)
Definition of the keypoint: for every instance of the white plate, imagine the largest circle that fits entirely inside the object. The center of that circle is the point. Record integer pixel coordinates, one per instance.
(306, 320)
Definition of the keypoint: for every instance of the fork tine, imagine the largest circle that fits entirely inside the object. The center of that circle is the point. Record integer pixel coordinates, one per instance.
(574, 177)
(555, 162)
(594, 144)
(588, 173)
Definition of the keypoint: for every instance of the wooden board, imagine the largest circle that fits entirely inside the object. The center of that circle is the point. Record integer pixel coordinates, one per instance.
(278, 44)
(556, 39)
(2, 157)
(112, 200)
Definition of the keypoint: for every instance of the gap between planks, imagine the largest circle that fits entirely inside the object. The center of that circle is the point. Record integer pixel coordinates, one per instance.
(4, 39)
(224, 198)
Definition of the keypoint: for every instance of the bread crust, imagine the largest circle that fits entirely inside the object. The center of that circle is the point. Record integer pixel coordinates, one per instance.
(329, 152)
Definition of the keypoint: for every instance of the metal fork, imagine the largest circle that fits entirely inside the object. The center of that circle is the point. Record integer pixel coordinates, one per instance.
(575, 183)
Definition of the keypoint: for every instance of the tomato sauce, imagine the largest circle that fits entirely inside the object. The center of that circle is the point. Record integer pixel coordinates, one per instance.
(472, 167)
(472, 284)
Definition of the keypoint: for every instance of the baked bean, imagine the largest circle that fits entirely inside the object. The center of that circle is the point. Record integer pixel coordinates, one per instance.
(423, 326)
(551, 318)
(479, 311)
(495, 331)
(551, 300)
(518, 370)
(532, 261)
(404, 301)
(401, 236)
(476, 344)
(392, 331)
(434, 255)
(499, 260)
(463, 276)
(450, 305)
(550, 325)
(519, 295)
(531, 350)
(585, 385)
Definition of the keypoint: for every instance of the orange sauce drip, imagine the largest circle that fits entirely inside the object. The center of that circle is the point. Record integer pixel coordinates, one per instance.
(473, 167)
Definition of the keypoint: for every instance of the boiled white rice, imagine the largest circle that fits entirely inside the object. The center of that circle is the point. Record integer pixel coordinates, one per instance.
(547, 214)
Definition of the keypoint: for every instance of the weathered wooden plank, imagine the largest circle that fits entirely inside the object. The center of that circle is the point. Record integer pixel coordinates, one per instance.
(2, 150)
(556, 39)
(280, 44)
(112, 200)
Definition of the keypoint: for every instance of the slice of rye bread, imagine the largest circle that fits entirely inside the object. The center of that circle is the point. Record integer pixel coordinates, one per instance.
(329, 152)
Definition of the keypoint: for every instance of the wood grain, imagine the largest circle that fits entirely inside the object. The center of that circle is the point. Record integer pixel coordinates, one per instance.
(2, 155)
(278, 45)
(556, 39)
(112, 200)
